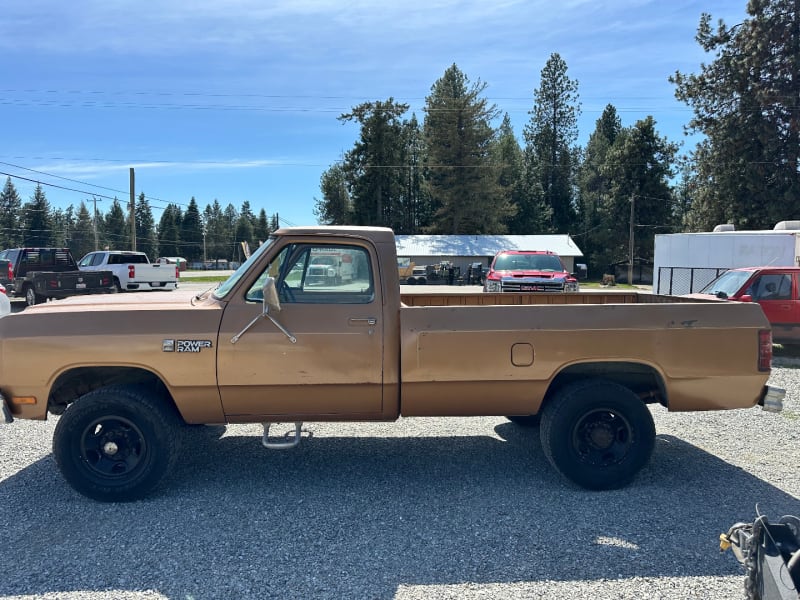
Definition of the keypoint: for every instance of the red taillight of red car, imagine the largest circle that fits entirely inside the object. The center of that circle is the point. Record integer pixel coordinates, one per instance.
(764, 350)
(131, 272)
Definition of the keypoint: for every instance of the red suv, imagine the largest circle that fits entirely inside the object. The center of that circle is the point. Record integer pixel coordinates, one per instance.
(529, 271)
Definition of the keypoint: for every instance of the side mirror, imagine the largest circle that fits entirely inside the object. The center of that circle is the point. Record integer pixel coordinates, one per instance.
(270, 296)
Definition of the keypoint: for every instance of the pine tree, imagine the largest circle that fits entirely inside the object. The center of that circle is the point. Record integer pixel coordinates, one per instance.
(83, 233)
(10, 205)
(461, 177)
(745, 104)
(372, 168)
(549, 137)
(334, 208)
(37, 222)
(594, 188)
(146, 240)
(261, 229)
(168, 232)
(638, 168)
(116, 229)
(191, 233)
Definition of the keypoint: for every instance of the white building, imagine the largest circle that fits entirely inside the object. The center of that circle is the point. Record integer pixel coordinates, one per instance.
(464, 250)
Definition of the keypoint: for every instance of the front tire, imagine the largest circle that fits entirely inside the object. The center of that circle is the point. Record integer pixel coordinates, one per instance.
(597, 433)
(117, 443)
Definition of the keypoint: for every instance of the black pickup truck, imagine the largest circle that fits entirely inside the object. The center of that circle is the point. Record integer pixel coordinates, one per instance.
(38, 274)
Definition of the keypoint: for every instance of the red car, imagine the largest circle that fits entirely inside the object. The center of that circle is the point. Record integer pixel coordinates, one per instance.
(529, 271)
(774, 288)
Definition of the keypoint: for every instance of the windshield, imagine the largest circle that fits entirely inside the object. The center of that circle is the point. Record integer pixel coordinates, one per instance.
(231, 282)
(727, 284)
(527, 262)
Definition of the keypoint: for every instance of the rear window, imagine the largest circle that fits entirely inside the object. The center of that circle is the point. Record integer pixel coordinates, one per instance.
(127, 259)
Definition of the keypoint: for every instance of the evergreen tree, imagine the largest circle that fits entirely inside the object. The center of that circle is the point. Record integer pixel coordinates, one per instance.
(261, 228)
(82, 240)
(415, 207)
(334, 208)
(745, 103)
(229, 220)
(372, 168)
(146, 238)
(168, 232)
(549, 138)
(244, 232)
(217, 232)
(10, 205)
(36, 221)
(530, 216)
(638, 168)
(116, 229)
(191, 233)
(459, 140)
(594, 188)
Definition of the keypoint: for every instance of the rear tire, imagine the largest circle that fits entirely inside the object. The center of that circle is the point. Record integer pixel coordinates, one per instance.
(31, 297)
(597, 433)
(116, 444)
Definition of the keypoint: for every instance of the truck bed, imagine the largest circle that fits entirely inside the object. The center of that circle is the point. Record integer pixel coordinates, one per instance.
(505, 299)
(503, 351)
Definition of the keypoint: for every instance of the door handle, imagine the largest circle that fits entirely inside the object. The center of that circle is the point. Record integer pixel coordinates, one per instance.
(368, 321)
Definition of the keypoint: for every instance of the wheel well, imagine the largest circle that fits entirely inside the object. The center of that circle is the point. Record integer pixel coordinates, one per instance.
(69, 386)
(645, 381)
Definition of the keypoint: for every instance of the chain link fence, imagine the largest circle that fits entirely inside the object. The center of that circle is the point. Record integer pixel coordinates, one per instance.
(676, 281)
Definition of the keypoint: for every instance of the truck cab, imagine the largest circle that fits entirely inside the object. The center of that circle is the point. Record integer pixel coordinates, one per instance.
(774, 288)
(529, 271)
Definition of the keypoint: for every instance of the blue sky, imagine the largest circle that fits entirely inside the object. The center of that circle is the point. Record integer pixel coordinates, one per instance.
(238, 99)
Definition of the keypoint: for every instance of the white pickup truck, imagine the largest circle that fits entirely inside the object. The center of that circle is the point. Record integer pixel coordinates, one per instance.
(132, 270)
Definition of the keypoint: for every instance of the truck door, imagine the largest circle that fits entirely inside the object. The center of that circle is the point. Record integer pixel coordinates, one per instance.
(336, 365)
(776, 292)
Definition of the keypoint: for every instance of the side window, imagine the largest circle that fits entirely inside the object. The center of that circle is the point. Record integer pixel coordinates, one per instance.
(316, 274)
(776, 286)
(86, 261)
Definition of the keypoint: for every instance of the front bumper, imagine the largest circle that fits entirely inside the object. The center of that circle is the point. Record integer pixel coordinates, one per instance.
(6, 411)
(772, 398)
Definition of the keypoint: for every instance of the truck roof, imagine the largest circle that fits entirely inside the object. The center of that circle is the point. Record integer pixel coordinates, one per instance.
(377, 234)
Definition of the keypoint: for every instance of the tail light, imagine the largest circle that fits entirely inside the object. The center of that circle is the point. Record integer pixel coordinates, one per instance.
(764, 350)
(10, 271)
(177, 272)
(131, 272)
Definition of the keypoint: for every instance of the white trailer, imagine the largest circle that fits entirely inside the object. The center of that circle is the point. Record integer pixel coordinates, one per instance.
(684, 263)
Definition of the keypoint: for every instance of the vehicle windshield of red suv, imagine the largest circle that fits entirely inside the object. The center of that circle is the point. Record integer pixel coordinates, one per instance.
(527, 262)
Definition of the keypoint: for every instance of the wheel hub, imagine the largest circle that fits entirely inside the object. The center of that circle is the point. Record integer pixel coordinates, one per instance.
(110, 448)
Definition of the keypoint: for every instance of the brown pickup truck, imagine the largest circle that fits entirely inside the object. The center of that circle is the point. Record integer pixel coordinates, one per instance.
(271, 344)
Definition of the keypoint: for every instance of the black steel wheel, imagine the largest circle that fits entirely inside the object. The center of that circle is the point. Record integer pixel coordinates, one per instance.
(597, 433)
(117, 443)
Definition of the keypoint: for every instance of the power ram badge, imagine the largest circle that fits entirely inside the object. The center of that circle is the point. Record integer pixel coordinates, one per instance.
(184, 345)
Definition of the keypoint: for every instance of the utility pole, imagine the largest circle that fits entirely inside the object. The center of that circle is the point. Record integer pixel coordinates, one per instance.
(133, 211)
(630, 242)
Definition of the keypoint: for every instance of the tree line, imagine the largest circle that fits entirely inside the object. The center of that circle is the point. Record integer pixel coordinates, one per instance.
(460, 172)
(215, 233)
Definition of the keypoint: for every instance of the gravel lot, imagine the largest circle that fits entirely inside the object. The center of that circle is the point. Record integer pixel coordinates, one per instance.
(418, 509)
